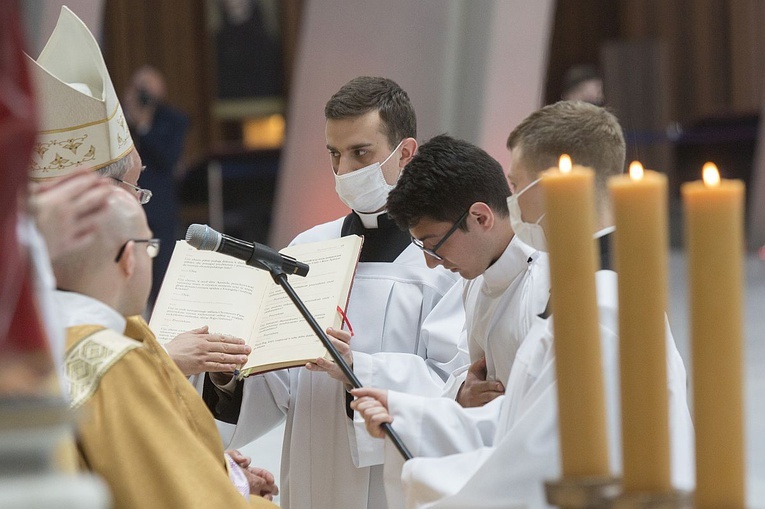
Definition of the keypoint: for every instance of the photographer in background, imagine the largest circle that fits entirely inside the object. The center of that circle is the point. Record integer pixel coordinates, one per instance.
(159, 132)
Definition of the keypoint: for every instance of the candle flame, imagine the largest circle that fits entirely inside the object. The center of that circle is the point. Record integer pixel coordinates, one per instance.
(564, 163)
(636, 170)
(710, 175)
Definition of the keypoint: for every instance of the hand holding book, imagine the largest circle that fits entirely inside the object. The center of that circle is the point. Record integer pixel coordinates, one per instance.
(202, 287)
(342, 343)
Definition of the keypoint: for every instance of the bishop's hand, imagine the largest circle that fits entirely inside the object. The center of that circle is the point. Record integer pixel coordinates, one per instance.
(198, 350)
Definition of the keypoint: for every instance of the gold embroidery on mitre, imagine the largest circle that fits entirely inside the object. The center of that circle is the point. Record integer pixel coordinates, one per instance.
(41, 148)
(59, 161)
(124, 136)
(73, 144)
(90, 155)
(69, 111)
(89, 360)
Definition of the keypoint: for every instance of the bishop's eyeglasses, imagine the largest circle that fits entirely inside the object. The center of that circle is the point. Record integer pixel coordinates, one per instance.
(144, 195)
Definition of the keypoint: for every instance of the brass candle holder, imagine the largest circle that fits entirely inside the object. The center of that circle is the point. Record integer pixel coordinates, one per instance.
(583, 492)
(676, 499)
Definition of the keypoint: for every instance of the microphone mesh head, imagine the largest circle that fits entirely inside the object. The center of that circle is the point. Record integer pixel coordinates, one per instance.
(203, 237)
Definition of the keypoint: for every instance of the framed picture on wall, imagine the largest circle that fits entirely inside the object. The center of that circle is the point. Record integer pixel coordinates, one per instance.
(248, 56)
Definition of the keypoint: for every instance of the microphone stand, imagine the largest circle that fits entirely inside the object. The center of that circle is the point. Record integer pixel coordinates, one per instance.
(280, 278)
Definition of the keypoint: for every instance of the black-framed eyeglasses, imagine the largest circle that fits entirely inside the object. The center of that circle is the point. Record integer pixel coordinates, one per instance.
(152, 247)
(432, 252)
(144, 195)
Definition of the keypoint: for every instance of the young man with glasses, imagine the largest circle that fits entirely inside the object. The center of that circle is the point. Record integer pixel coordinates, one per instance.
(454, 203)
(501, 454)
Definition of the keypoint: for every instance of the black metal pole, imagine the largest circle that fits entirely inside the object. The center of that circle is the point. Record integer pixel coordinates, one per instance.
(280, 278)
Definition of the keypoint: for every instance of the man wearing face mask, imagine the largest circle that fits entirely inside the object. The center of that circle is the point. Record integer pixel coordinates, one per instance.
(457, 215)
(406, 317)
(504, 451)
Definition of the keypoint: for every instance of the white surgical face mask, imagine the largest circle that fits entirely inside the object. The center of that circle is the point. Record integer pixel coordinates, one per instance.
(365, 189)
(529, 233)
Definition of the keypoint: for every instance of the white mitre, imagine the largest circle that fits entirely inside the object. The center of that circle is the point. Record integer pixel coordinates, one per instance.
(81, 124)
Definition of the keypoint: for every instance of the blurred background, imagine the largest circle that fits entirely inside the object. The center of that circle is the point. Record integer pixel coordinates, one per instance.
(246, 81)
(684, 77)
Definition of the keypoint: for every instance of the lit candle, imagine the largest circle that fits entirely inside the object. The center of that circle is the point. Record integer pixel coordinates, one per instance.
(714, 223)
(570, 224)
(640, 256)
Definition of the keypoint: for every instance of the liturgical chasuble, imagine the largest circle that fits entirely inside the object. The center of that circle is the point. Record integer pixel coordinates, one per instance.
(143, 427)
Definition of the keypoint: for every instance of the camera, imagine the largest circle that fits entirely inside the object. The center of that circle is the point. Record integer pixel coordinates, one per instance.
(145, 98)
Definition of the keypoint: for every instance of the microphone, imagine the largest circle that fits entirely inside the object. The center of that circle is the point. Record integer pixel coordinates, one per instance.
(205, 238)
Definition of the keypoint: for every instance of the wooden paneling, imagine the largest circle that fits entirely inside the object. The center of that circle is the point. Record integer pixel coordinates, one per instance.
(636, 75)
(170, 35)
(712, 75)
(715, 48)
(579, 29)
(747, 54)
(709, 81)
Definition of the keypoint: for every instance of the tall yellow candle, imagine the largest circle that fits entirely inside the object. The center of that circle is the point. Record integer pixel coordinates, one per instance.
(640, 249)
(570, 224)
(714, 222)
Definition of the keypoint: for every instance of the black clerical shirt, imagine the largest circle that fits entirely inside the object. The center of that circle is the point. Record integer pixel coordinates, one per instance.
(382, 244)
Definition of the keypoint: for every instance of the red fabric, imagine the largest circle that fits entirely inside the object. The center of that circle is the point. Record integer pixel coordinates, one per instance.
(25, 332)
(20, 326)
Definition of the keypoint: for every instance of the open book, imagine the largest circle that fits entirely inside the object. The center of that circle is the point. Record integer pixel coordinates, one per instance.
(209, 288)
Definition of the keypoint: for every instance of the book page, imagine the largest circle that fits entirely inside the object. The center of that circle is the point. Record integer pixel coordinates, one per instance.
(282, 333)
(208, 288)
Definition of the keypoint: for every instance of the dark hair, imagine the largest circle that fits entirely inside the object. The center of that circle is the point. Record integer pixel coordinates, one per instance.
(443, 180)
(364, 94)
(591, 135)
